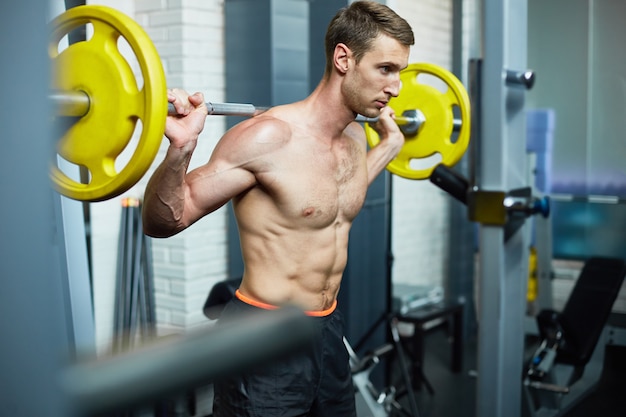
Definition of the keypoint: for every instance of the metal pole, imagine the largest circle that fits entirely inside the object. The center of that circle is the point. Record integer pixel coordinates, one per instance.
(503, 263)
(69, 103)
(33, 319)
(77, 103)
(175, 364)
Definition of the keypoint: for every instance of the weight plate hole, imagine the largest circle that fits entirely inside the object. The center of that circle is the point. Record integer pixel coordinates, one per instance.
(122, 160)
(127, 52)
(433, 81)
(78, 34)
(418, 164)
(456, 113)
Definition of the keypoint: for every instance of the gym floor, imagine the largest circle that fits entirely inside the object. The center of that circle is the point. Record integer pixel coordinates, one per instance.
(455, 394)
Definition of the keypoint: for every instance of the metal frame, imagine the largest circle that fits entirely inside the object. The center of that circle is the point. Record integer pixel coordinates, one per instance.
(553, 403)
(32, 316)
(382, 403)
(33, 296)
(75, 268)
(503, 263)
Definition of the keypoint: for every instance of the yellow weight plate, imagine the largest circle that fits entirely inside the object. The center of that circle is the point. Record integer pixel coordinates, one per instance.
(98, 68)
(434, 135)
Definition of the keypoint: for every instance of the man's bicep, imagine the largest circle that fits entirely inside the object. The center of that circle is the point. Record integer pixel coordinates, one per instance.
(209, 188)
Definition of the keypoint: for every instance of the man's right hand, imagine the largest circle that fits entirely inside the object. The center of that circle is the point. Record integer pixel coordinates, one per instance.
(183, 129)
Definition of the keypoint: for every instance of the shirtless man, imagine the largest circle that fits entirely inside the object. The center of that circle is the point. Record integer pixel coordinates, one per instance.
(297, 175)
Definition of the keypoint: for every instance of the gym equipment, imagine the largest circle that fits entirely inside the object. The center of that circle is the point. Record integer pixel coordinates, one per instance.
(499, 164)
(93, 83)
(385, 402)
(570, 340)
(220, 294)
(436, 108)
(409, 123)
(135, 308)
(172, 364)
(115, 103)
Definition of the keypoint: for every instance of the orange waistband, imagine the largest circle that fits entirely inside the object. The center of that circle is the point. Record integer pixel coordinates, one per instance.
(260, 304)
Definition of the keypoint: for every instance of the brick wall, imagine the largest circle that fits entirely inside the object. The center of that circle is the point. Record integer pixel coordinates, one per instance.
(420, 210)
(188, 36)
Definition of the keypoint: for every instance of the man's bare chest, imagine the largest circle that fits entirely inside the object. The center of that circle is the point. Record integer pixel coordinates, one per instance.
(320, 187)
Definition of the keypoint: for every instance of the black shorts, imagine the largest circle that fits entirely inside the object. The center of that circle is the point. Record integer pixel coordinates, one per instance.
(315, 381)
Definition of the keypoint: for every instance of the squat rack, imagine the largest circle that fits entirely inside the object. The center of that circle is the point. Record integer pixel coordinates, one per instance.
(35, 266)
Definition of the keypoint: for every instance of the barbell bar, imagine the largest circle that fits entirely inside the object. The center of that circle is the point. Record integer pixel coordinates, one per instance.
(93, 82)
(409, 122)
(76, 104)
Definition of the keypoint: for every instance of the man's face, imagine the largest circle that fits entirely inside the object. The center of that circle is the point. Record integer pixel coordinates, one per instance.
(376, 78)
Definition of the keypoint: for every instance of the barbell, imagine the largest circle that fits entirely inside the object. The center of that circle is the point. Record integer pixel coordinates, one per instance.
(93, 83)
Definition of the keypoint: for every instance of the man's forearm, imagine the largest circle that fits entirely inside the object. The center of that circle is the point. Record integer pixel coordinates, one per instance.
(164, 199)
(378, 158)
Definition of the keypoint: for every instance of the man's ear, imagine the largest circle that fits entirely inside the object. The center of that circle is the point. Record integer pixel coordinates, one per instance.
(341, 58)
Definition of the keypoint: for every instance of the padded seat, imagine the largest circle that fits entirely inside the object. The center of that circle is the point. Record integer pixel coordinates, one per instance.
(569, 340)
(586, 311)
(220, 294)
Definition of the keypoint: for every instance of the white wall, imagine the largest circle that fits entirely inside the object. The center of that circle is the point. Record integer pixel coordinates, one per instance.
(189, 39)
(420, 210)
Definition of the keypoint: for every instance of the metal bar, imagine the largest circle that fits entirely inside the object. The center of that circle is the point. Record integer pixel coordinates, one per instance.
(234, 109)
(411, 119)
(146, 259)
(523, 79)
(400, 120)
(503, 258)
(450, 181)
(118, 320)
(33, 305)
(475, 91)
(69, 103)
(395, 335)
(226, 109)
(76, 104)
(136, 278)
(175, 364)
(128, 283)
